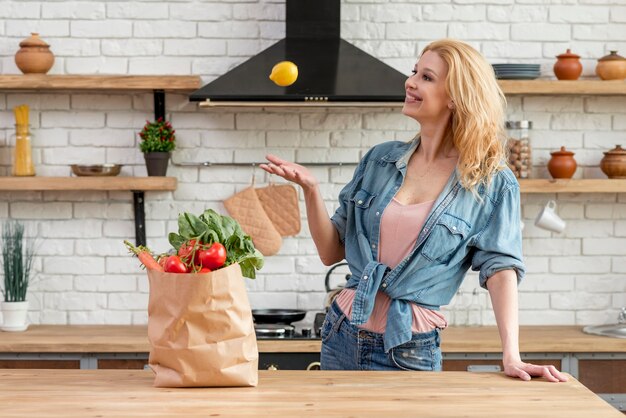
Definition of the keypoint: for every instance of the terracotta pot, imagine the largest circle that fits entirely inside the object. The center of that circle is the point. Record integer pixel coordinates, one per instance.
(568, 66)
(611, 67)
(34, 56)
(613, 164)
(562, 165)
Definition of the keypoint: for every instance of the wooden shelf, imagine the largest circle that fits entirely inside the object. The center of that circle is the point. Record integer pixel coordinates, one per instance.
(557, 87)
(185, 84)
(169, 83)
(573, 186)
(87, 183)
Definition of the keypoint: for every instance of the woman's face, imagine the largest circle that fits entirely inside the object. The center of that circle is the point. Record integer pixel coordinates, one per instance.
(426, 99)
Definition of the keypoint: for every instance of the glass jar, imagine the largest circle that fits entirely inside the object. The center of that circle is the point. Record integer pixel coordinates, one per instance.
(22, 152)
(519, 147)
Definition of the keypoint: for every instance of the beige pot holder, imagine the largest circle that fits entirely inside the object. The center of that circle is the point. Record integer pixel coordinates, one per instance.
(246, 208)
(280, 203)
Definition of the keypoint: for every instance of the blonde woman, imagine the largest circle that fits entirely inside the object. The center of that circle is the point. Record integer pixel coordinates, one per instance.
(416, 216)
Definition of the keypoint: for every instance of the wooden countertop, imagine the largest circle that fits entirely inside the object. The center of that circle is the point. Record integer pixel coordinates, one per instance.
(133, 339)
(125, 393)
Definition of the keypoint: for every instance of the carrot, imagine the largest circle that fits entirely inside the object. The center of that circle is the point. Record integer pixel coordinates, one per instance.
(144, 256)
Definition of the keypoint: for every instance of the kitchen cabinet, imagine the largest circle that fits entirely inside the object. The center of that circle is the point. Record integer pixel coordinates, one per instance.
(158, 85)
(117, 393)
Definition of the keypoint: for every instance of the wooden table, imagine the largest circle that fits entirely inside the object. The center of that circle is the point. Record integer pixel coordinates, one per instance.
(120, 393)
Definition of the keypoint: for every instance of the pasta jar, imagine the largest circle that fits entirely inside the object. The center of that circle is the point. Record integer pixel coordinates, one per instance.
(22, 153)
(519, 147)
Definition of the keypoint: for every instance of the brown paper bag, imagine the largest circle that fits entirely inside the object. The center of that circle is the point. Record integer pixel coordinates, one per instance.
(200, 329)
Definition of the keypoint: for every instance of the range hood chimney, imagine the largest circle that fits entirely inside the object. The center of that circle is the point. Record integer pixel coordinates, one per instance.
(331, 71)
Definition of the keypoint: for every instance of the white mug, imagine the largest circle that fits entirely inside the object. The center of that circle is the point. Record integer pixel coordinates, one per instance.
(548, 219)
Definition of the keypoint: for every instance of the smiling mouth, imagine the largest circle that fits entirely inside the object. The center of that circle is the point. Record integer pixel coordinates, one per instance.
(412, 98)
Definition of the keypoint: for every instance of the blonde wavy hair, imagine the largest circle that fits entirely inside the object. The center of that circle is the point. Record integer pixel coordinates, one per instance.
(476, 127)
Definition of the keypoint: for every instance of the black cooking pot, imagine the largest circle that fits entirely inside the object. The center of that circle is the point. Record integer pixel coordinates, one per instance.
(277, 316)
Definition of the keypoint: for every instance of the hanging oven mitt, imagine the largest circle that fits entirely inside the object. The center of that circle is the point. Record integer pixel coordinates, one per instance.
(280, 203)
(246, 208)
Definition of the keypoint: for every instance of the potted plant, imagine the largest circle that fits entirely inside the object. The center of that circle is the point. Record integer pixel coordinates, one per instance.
(17, 261)
(157, 141)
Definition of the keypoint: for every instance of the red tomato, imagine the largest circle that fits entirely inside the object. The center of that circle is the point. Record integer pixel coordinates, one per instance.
(204, 270)
(213, 257)
(174, 264)
(185, 250)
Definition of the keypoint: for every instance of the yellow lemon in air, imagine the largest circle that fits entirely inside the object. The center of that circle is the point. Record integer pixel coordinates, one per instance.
(285, 73)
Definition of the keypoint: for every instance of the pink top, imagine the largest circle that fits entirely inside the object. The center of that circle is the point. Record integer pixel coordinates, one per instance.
(396, 242)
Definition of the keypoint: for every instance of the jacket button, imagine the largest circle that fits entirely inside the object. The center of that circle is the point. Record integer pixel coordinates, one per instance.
(454, 228)
(377, 213)
(360, 202)
(384, 285)
(364, 277)
(373, 245)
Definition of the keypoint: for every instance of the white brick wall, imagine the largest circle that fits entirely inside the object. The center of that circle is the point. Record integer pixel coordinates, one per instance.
(84, 274)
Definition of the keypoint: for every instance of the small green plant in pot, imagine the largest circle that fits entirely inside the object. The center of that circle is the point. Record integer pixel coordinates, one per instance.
(17, 261)
(157, 141)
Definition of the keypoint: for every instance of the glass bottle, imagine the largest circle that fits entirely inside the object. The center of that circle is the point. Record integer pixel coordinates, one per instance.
(519, 147)
(22, 153)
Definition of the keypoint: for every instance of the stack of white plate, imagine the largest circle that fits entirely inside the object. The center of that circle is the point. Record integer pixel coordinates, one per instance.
(516, 71)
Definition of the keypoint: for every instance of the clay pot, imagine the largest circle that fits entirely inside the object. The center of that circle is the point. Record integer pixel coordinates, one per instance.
(613, 164)
(34, 56)
(568, 66)
(562, 165)
(611, 67)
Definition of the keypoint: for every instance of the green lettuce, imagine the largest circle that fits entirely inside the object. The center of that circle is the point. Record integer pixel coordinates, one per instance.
(212, 227)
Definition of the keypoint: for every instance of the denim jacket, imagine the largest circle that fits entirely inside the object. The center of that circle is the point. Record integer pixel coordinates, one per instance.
(460, 232)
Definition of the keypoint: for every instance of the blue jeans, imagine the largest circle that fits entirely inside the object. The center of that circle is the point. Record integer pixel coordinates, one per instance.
(346, 347)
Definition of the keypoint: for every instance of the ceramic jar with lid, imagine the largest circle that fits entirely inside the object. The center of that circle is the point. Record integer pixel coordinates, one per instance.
(611, 67)
(562, 165)
(613, 164)
(34, 56)
(568, 66)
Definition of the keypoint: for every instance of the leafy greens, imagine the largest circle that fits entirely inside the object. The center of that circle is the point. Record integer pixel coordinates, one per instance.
(212, 227)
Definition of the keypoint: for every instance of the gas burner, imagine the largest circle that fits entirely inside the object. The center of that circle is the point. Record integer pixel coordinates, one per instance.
(274, 330)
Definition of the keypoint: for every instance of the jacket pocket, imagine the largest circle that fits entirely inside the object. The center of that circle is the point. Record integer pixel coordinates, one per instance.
(363, 199)
(445, 238)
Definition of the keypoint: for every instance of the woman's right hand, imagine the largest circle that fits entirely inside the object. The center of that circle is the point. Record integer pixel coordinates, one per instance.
(290, 171)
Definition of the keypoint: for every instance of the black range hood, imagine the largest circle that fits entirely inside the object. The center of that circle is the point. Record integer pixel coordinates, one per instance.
(329, 68)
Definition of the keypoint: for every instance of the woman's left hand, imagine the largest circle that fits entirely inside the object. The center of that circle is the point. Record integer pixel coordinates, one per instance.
(525, 370)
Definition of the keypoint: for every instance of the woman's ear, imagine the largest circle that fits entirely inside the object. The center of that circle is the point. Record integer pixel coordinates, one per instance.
(451, 106)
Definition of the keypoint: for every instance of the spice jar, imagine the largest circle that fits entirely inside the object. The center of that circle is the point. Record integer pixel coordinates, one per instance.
(562, 165)
(22, 154)
(519, 147)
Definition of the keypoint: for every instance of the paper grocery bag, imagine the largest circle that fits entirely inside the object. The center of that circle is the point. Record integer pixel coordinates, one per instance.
(200, 329)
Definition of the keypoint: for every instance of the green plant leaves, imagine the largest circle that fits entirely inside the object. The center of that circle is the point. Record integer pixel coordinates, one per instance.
(212, 227)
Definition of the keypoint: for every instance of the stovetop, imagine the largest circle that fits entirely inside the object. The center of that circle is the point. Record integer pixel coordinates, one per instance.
(284, 332)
